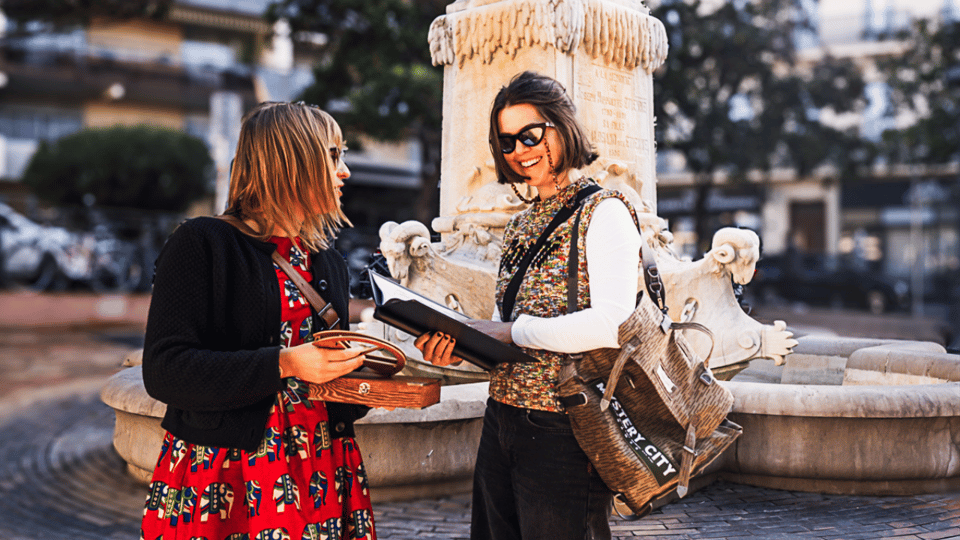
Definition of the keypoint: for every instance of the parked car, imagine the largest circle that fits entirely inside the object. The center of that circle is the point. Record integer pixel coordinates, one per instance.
(47, 258)
(818, 279)
(942, 286)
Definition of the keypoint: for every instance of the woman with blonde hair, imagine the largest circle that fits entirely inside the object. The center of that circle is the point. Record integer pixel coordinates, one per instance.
(227, 348)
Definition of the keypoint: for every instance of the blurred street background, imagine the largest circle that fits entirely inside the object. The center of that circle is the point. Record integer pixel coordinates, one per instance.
(828, 127)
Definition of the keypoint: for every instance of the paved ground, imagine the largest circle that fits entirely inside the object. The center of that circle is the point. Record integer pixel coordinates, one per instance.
(61, 479)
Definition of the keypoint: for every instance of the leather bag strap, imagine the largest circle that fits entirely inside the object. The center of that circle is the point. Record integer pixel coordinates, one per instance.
(323, 308)
(562, 215)
(651, 276)
(383, 365)
(650, 273)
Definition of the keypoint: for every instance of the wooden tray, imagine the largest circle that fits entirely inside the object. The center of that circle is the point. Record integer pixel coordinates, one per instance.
(376, 391)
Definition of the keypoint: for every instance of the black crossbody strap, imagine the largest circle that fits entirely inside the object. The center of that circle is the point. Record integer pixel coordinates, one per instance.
(651, 276)
(562, 215)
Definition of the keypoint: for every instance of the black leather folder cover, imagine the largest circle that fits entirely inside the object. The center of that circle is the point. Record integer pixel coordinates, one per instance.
(472, 345)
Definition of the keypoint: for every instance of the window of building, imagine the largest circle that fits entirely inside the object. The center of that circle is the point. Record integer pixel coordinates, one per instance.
(204, 53)
(38, 123)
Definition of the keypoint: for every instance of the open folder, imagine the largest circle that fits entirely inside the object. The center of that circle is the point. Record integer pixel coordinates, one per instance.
(416, 314)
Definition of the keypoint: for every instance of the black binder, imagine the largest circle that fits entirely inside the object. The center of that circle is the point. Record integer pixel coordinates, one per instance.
(416, 315)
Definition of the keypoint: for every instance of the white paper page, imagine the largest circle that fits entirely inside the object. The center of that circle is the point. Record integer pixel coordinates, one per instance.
(390, 290)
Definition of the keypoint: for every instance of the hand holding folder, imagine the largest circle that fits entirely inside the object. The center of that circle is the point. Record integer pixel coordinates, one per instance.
(416, 314)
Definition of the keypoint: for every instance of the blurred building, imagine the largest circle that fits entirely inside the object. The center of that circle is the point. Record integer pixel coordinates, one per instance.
(199, 69)
(901, 221)
(904, 220)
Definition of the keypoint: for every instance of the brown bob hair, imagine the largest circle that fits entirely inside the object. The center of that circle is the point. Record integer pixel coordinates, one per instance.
(282, 175)
(555, 106)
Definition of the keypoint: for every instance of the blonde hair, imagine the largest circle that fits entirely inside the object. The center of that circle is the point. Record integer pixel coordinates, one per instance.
(282, 175)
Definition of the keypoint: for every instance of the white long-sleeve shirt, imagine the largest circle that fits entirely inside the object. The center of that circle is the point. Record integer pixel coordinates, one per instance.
(613, 257)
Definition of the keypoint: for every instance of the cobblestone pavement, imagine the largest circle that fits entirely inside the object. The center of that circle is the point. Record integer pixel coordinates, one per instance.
(37, 358)
(61, 479)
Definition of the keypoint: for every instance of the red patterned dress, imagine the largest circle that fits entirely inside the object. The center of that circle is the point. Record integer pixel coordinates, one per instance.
(299, 484)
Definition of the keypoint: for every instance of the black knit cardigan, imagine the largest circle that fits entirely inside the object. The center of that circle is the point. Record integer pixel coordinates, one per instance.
(211, 349)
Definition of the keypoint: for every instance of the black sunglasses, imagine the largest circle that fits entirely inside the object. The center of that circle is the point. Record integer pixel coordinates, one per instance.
(530, 136)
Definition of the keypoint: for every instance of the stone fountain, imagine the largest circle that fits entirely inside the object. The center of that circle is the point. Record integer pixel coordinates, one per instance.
(838, 415)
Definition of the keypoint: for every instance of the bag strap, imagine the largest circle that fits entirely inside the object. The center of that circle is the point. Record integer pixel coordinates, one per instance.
(323, 308)
(654, 285)
(656, 291)
(383, 365)
(562, 215)
(650, 274)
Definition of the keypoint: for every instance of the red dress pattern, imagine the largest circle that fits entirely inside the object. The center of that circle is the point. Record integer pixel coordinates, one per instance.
(299, 484)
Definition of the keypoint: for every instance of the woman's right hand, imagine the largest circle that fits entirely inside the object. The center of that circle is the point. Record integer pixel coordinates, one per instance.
(318, 365)
(437, 348)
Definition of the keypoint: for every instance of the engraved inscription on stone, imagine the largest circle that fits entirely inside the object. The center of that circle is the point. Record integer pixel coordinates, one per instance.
(612, 110)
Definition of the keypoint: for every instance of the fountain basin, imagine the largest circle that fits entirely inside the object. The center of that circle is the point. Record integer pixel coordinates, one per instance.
(880, 438)
(865, 417)
(408, 453)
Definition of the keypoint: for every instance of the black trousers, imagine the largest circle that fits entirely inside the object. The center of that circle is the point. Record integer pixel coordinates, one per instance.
(532, 481)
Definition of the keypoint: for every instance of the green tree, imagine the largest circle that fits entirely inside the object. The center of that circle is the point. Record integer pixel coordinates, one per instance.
(143, 167)
(376, 76)
(924, 83)
(732, 96)
(68, 13)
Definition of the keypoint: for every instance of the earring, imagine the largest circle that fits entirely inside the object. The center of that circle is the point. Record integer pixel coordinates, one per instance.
(556, 181)
(521, 197)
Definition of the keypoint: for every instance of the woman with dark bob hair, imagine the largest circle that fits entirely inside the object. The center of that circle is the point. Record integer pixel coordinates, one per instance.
(532, 480)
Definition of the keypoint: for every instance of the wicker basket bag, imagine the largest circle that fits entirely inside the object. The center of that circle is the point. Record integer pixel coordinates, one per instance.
(650, 414)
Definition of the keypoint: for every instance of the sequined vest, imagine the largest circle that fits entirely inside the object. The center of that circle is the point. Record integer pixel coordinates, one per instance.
(543, 291)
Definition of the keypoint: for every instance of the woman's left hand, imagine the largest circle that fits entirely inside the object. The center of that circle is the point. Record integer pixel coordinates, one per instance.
(437, 348)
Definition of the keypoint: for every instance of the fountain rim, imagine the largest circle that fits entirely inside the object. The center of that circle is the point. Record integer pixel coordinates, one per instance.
(124, 391)
(861, 401)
